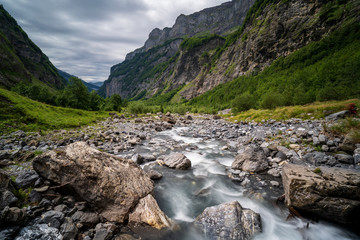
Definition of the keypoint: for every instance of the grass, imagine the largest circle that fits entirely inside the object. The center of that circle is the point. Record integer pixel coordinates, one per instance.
(315, 110)
(18, 112)
(348, 126)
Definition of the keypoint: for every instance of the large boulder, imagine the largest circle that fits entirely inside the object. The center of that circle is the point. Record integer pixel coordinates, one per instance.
(111, 185)
(177, 161)
(253, 159)
(228, 221)
(329, 193)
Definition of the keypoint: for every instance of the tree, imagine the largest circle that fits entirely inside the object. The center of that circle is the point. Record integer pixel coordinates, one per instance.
(113, 103)
(95, 101)
(243, 102)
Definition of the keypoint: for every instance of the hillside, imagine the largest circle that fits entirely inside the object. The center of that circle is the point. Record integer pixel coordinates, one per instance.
(21, 59)
(272, 30)
(150, 66)
(90, 86)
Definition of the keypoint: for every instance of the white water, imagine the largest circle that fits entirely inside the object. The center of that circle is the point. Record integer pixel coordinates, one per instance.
(183, 195)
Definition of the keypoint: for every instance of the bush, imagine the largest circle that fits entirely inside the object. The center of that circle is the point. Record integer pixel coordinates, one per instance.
(243, 102)
(272, 100)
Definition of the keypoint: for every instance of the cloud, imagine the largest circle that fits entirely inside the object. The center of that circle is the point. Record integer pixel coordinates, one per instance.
(86, 37)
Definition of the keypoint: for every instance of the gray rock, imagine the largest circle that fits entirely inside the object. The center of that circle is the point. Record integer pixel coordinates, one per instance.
(253, 159)
(104, 231)
(86, 218)
(316, 141)
(228, 221)
(9, 233)
(177, 161)
(26, 179)
(52, 219)
(68, 229)
(35, 197)
(357, 156)
(331, 193)
(322, 139)
(325, 148)
(39, 232)
(319, 158)
(13, 215)
(345, 158)
(274, 172)
(7, 198)
(338, 115)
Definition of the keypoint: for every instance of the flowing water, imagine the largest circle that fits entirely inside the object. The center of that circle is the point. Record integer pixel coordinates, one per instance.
(183, 195)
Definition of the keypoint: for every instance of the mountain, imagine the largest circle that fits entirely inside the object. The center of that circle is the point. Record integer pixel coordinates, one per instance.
(194, 63)
(21, 59)
(90, 86)
(141, 68)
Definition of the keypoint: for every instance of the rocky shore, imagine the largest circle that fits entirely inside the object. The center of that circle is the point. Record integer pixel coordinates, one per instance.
(91, 183)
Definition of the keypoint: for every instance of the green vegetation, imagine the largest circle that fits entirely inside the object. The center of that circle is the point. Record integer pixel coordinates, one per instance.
(18, 112)
(317, 170)
(321, 71)
(196, 41)
(349, 126)
(310, 111)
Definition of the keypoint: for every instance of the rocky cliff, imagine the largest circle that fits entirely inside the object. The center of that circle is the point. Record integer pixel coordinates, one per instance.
(271, 29)
(21, 59)
(161, 49)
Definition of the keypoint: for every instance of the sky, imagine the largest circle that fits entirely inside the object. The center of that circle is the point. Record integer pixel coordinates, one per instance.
(86, 37)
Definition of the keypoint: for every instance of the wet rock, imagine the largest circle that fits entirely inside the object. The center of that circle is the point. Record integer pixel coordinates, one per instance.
(331, 193)
(154, 175)
(168, 119)
(177, 161)
(39, 232)
(26, 179)
(148, 212)
(88, 219)
(253, 159)
(111, 184)
(7, 198)
(68, 229)
(52, 219)
(228, 221)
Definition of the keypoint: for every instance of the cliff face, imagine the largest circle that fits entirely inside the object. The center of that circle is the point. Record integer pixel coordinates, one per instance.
(220, 20)
(273, 29)
(20, 58)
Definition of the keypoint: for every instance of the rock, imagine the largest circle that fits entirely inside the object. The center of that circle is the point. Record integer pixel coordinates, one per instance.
(39, 232)
(324, 148)
(322, 139)
(7, 198)
(338, 115)
(319, 158)
(88, 219)
(347, 145)
(296, 147)
(274, 183)
(104, 231)
(52, 219)
(177, 161)
(26, 179)
(189, 117)
(154, 175)
(274, 172)
(216, 117)
(316, 141)
(148, 213)
(168, 119)
(9, 233)
(332, 193)
(253, 159)
(13, 215)
(228, 221)
(111, 184)
(68, 229)
(345, 158)
(357, 156)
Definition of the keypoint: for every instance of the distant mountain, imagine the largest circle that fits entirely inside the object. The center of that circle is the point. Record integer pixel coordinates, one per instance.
(99, 84)
(21, 59)
(90, 86)
(201, 51)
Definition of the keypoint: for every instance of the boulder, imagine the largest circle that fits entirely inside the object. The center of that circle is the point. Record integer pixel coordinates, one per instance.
(88, 219)
(52, 219)
(338, 115)
(253, 159)
(26, 179)
(110, 184)
(177, 161)
(7, 198)
(68, 229)
(330, 193)
(228, 221)
(39, 232)
(169, 119)
(148, 212)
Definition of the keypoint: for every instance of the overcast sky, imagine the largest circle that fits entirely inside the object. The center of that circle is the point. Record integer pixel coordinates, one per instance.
(86, 37)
